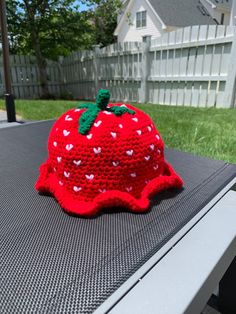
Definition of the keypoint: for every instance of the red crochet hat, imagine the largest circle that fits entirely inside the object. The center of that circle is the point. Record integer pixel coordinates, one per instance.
(105, 155)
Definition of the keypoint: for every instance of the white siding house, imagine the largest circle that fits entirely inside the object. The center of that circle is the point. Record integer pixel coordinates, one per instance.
(127, 30)
(142, 18)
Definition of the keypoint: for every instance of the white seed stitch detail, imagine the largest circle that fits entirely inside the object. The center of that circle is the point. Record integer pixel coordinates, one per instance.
(89, 176)
(66, 174)
(89, 136)
(139, 132)
(113, 134)
(149, 128)
(129, 189)
(66, 133)
(147, 158)
(102, 190)
(68, 118)
(96, 124)
(77, 162)
(60, 183)
(97, 150)
(121, 126)
(107, 112)
(55, 144)
(115, 163)
(152, 147)
(129, 152)
(59, 159)
(69, 147)
(135, 119)
(133, 175)
(77, 188)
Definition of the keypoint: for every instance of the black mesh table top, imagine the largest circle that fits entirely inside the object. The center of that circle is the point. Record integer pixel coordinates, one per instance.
(51, 262)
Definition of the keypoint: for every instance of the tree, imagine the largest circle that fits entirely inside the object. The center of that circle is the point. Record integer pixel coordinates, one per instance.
(53, 28)
(48, 29)
(105, 18)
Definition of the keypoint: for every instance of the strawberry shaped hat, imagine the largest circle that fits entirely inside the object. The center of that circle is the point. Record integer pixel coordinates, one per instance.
(105, 155)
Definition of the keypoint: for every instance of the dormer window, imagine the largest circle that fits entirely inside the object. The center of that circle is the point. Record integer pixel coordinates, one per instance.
(141, 19)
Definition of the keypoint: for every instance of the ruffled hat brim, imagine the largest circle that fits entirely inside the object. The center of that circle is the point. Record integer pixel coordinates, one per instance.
(48, 183)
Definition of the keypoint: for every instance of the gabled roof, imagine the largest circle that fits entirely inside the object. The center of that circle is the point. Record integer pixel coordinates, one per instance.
(182, 13)
(177, 13)
(127, 9)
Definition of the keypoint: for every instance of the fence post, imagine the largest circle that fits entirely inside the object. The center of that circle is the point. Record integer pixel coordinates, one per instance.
(62, 86)
(145, 70)
(96, 50)
(9, 98)
(230, 86)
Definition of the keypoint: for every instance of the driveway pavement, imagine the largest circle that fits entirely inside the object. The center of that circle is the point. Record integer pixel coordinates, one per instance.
(3, 115)
(3, 120)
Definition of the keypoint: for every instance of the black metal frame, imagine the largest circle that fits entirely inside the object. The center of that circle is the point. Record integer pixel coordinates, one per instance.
(9, 98)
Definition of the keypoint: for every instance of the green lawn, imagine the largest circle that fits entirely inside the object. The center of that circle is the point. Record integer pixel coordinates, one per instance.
(207, 132)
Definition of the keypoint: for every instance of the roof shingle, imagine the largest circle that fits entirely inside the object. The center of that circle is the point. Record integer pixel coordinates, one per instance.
(181, 13)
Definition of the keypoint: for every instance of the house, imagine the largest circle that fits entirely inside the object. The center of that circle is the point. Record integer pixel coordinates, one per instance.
(219, 10)
(152, 18)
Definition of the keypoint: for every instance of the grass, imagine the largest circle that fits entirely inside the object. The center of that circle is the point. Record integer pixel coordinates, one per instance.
(203, 131)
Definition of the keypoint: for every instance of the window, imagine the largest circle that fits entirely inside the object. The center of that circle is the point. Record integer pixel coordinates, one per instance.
(141, 19)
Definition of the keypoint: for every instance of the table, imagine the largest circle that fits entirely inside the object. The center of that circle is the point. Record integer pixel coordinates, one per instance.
(53, 262)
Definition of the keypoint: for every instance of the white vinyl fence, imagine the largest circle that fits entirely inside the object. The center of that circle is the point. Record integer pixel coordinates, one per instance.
(25, 77)
(193, 66)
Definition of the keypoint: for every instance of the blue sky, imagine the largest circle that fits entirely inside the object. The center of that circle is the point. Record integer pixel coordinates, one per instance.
(82, 7)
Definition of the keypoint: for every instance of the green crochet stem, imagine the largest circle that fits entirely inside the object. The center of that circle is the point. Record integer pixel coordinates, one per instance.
(89, 116)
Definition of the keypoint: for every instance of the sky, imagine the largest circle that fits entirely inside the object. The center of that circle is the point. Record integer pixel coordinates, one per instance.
(82, 7)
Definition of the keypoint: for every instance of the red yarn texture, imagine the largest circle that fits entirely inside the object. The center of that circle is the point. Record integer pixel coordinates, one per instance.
(120, 162)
